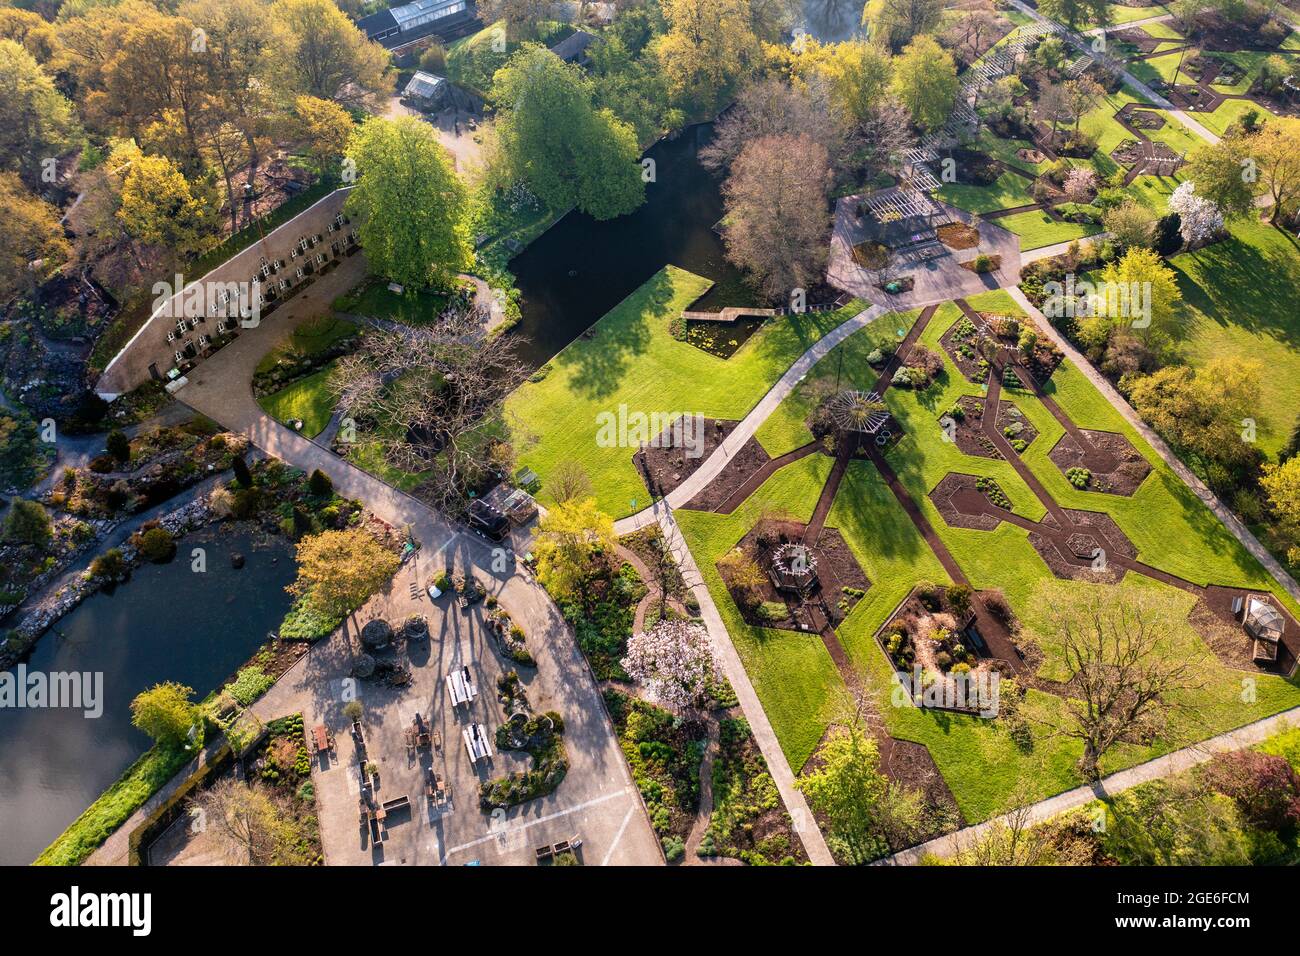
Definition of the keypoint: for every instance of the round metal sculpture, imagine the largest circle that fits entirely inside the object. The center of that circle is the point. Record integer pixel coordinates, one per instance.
(416, 628)
(793, 569)
(861, 412)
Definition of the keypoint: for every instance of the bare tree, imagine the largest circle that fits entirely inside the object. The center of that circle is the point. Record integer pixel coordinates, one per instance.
(1081, 95)
(774, 108)
(569, 481)
(1125, 679)
(250, 825)
(426, 394)
(1016, 839)
(777, 216)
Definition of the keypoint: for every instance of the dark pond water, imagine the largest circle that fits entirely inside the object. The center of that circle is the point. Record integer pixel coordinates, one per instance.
(166, 623)
(580, 268)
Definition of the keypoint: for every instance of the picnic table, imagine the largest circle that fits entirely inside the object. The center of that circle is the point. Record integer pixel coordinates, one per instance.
(321, 737)
(476, 742)
(460, 686)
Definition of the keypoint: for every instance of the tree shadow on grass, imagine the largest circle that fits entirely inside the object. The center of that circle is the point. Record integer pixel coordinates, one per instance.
(602, 361)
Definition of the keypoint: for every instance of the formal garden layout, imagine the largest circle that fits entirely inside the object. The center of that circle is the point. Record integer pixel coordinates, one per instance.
(667, 432)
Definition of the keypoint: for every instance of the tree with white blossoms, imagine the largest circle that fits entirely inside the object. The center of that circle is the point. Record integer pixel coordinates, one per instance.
(674, 662)
(1201, 219)
(1080, 185)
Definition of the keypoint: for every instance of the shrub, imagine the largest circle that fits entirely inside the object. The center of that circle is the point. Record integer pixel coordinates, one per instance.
(242, 473)
(157, 545)
(1265, 787)
(1079, 477)
(109, 565)
(27, 523)
(118, 445)
(982, 263)
(772, 611)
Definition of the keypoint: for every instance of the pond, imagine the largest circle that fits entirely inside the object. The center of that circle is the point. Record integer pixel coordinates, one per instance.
(166, 623)
(580, 268)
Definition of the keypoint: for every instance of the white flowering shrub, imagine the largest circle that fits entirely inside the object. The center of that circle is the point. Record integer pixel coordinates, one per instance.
(1201, 219)
(674, 662)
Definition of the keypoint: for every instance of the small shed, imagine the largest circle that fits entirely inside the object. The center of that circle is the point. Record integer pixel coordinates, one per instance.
(1263, 621)
(431, 93)
(487, 520)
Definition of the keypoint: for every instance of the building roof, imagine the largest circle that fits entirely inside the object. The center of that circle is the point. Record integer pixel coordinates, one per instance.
(1264, 619)
(424, 85)
(574, 45)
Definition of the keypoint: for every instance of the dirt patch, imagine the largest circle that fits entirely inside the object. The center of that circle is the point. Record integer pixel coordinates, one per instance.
(1013, 424)
(982, 265)
(1136, 38)
(1083, 551)
(675, 459)
(1034, 156)
(1145, 119)
(1111, 463)
(969, 501)
(738, 470)
(967, 430)
(841, 580)
(871, 255)
(1215, 33)
(1222, 631)
(958, 235)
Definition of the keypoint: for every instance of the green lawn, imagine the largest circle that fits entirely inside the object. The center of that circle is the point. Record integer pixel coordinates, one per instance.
(308, 399)
(1008, 191)
(1037, 229)
(630, 361)
(311, 338)
(1241, 296)
(373, 299)
(1166, 521)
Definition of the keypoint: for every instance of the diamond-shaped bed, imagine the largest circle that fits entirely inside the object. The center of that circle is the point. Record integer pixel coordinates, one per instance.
(1114, 465)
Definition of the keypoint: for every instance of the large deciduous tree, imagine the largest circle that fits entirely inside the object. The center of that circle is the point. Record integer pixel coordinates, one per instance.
(166, 713)
(1075, 13)
(36, 121)
(554, 140)
(1143, 270)
(777, 225)
(31, 234)
(411, 206)
(710, 45)
(339, 570)
(1125, 674)
(161, 207)
(897, 22)
(325, 128)
(675, 664)
(925, 81)
(1276, 149)
(573, 550)
(1224, 173)
(251, 825)
(317, 50)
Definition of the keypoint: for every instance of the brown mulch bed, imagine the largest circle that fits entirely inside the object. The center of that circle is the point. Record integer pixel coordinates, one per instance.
(963, 505)
(994, 261)
(957, 345)
(734, 474)
(1059, 559)
(1146, 119)
(1215, 34)
(1223, 633)
(837, 569)
(1009, 414)
(1117, 467)
(871, 255)
(968, 435)
(958, 235)
(663, 469)
(1138, 37)
(1129, 153)
(1070, 553)
(1030, 155)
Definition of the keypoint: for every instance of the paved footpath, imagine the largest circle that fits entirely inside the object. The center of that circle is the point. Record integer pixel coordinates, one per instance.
(1103, 385)
(1108, 786)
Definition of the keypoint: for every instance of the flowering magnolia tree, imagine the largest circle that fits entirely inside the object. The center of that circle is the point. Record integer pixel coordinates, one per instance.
(1080, 185)
(674, 662)
(1201, 219)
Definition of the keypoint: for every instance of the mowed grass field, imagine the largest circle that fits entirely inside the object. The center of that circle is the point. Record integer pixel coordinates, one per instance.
(792, 673)
(308, 399)
(630, 359)
(1241, 294)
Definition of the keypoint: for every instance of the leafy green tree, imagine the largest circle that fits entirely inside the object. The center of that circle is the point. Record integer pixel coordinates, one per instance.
(339, 570)
(709, 48)
(861, 807)
(118, 445)
(36, 121)
(165, 712)
(325, 127)
(320, 484)
(318, 51)
(1282, 485)
(1224, 174)
(1144, 270)
(1075, 13)
(242, 473)
(411, 205)
(925, 81)
(161, 207)
(573, 549)
(553, 139)
(27, 523)
(897, 22)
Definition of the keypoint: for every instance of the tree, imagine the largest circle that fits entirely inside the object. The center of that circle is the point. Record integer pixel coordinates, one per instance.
(1130, 224)
(166, 713)
(160, 207)
(554, 140)
(674, 662)
(709, 46)
(317, 50)
(742, 575)
(522, 17)
(242, 473)
(1276, 148)
(32, 244)
(573, 549)
(32, 31)
(862, 809)
(424, 395)
(1281, 482)
(1016, 840)
(925, 81)
(339, 570)
(569, 480)
(27, 523)
(777, 219)
(1080, 184)
(36, 121)
(1125, 678)
(252, 826)
(898, 22)
(1200, 220)
(1081, 95)
(325, 128)
(1222, 174)
(773, 107)
(1075, 13)
(1143, 272)
(411, 206)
